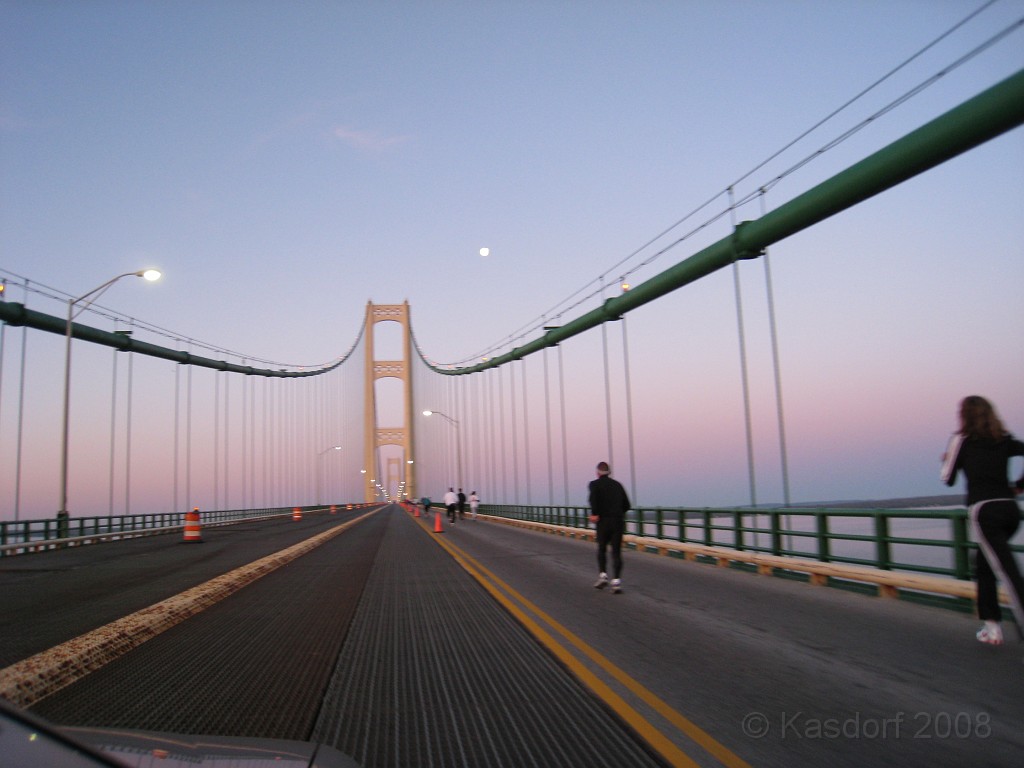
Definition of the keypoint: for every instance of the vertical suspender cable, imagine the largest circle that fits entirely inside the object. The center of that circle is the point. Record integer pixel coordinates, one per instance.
(477, 444)
(778, 375)
(288, 427)
(483, 487)
(216, 440)
(253, 430)
(455, 388)
(450, 446)
(189, 501)
(565, 447)
(113, 435)
(491, 434)
(547, 430)
(468, 441)
(21, 424)
(526, 432)
(607, 392)
(227, 441)
(177, 433)
(286, 419)
(265, 453)
(515, 436)
(629, 412)
(503, 464)
(743, 362)
(3, 330)
(128, 437)
(283, 443)
(245, 441)
(275, 443)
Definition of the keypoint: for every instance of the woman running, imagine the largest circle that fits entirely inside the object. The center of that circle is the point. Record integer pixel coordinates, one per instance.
(982, 449)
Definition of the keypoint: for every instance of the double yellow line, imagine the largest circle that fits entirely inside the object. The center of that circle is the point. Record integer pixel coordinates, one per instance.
(524, 611)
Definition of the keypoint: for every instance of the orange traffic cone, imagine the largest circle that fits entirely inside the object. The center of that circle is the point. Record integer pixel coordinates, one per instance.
(416, 510)
(192, 529)
(334, 510)
(438, 528)
(296, 514)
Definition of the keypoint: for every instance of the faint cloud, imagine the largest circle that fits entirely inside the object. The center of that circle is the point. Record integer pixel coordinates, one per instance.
(286, 128)
(367, 140)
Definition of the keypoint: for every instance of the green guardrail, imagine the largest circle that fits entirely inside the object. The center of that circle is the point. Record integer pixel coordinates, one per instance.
(928, 541)
(32, 533)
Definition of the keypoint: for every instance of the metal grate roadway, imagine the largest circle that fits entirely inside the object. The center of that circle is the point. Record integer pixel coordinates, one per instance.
(434, 672)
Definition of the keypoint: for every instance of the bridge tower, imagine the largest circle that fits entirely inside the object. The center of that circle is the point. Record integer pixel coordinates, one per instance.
(375, 436)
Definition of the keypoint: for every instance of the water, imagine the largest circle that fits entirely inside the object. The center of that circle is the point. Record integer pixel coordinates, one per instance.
(932, 550)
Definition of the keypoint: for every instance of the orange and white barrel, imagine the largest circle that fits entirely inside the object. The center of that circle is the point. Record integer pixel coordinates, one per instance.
(193, 531)
(296, 514)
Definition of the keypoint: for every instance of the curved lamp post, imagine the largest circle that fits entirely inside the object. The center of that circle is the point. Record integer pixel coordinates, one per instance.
(319, 472)
(458, 439)
(95, 293)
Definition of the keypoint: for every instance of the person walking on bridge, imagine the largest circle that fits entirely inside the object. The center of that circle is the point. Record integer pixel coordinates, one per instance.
(451, 501)
(608, 506)
(982, 449)
(462, 504)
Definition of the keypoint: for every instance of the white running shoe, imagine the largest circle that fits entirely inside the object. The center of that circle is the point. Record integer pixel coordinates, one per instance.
(616, 586)
(602, 581)
(991, 634)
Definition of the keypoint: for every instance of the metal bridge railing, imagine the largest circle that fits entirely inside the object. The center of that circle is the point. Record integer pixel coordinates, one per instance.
(926, 541)
(19, 537)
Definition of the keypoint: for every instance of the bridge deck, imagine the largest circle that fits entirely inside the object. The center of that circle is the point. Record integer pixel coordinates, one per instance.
(487, 645)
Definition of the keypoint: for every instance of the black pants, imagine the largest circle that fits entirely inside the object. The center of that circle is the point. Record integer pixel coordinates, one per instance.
(451, 513)
(994, 522)
(609, 532)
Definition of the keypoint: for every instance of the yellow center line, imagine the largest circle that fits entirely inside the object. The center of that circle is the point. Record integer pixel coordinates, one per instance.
(662, 744)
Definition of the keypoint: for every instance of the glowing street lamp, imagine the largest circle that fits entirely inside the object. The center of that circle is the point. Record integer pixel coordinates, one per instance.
(95, 293)
(319, 471)
(458, 439)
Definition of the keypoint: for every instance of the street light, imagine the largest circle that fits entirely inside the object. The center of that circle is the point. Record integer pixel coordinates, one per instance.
(95, 293)
(458, 439)
(319, 471)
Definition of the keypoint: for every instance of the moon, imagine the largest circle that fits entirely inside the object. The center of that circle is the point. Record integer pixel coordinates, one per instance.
(485, 251)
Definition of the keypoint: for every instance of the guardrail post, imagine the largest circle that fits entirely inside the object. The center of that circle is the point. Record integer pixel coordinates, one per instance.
(822, 538)
(776, 532)
(961, 548)
(737, 529)
(883, 556)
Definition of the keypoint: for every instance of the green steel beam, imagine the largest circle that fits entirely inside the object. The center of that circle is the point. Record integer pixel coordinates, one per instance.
(16, 314)
(986, 116)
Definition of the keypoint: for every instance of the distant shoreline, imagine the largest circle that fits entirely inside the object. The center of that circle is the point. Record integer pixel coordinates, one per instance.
(910, 502)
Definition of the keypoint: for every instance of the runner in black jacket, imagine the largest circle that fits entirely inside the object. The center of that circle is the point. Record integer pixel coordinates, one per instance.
(982, 450)
(608, 506)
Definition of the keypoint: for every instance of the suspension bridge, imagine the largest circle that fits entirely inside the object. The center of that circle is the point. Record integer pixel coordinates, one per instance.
(323, 611)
